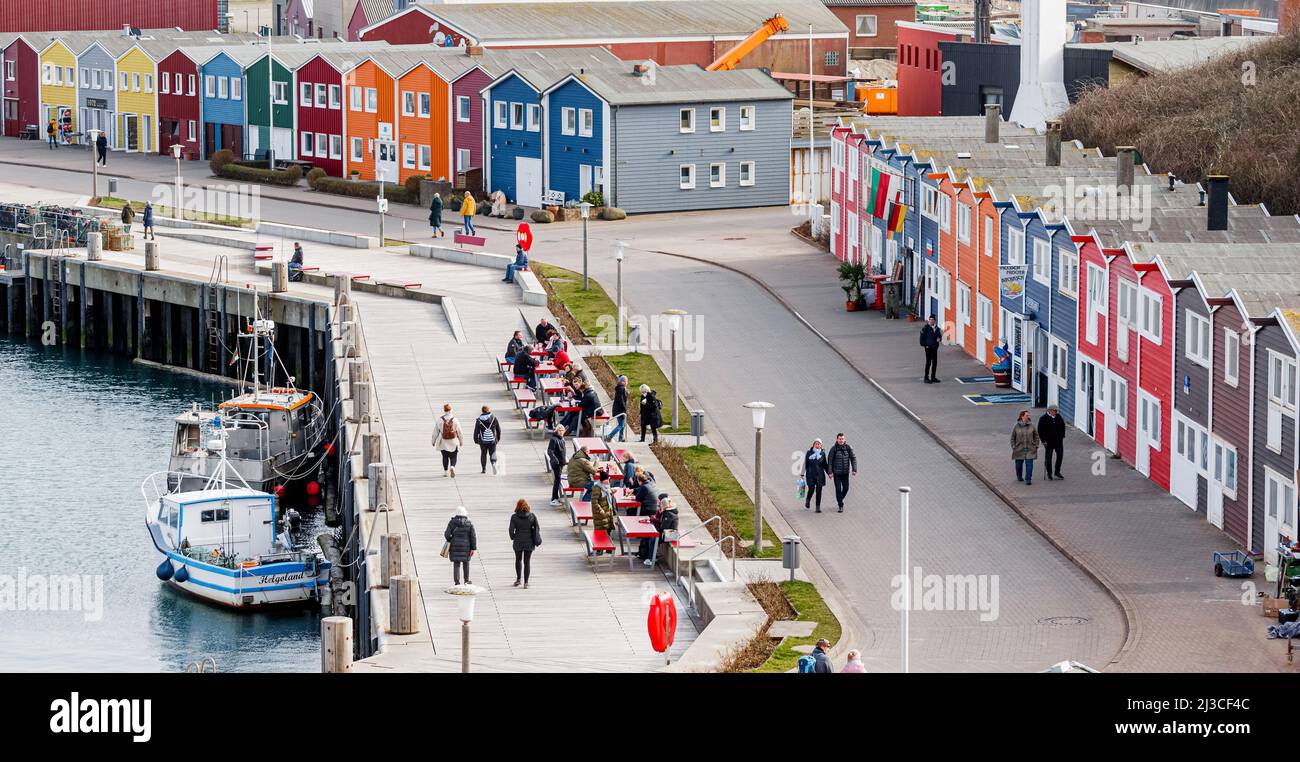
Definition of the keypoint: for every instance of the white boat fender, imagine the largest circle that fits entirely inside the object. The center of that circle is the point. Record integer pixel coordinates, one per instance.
(182, 574)
(165, 570)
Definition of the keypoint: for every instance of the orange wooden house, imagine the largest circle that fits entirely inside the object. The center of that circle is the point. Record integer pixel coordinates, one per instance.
(371, 125)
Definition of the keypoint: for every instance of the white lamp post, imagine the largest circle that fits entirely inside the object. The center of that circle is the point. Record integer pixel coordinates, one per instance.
(465, 597)
(176, 204)
(674, 324)
(759, 412)
(93, 135)
(618, 257)
(905, 494)
(586, 212)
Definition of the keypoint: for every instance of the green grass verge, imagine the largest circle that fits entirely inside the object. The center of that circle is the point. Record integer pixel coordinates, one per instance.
(593, 309)
(708, 468)
(642, 369)
(112, 202)
(812, 608)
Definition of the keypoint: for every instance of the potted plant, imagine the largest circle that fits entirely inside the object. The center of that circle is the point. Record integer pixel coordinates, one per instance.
(851, 275)
(355, 175)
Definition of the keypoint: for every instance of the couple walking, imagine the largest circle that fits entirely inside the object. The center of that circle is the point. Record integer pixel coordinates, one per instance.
(1025, 440)
(461, 542)
(448, 438)
(840, 462)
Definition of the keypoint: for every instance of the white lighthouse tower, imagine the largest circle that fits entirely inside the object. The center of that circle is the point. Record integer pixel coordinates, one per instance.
(1041, 96)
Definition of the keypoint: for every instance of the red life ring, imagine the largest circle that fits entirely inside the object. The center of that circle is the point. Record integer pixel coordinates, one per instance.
(662, 622)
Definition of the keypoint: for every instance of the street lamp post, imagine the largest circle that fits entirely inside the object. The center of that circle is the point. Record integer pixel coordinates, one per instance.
(586, 212)
(759, 412)
(618, 257)
(674, 323)
(176, 204)
(94, 165)
(465, 595)
(904, 494)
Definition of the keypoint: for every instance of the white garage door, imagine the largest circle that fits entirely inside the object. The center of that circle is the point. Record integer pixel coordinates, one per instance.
(528, 180)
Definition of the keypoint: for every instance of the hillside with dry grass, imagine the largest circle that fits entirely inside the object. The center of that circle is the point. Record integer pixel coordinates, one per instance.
(1238, 116)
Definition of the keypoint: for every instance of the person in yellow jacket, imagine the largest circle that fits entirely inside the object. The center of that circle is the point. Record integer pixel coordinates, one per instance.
(467, 208)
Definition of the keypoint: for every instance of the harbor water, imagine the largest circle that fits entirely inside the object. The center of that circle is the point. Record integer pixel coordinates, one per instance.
(78, 434)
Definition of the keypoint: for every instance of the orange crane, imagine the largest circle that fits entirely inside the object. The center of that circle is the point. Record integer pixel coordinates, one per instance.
(727, 61)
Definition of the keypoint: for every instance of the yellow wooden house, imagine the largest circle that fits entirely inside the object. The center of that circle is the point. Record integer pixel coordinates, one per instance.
(58, 78)
(137, 102)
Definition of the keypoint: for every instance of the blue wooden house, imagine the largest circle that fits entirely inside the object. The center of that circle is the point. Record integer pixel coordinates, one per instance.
(224, 99)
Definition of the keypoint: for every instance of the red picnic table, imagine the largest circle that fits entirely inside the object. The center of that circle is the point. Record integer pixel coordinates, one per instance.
(594, 445)
(623, 498)
(636, 527)
(551, 385)
(546, 369)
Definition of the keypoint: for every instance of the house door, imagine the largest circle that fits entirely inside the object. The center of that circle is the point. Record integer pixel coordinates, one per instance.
(1214, 498)
(1182, 468)
(1146, 432)
(146, 134)
(386, 161)
(963, 313)
(254, 141)
(282, 143)
(131, 129)
(1279, 499)
(1015, 333)
(941, 296)
(528, 181)
(1116, 411)
(1085, 401)
(584, 180)
(209, 138)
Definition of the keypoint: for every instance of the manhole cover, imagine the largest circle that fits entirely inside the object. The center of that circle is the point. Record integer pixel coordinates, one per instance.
(1063, 621)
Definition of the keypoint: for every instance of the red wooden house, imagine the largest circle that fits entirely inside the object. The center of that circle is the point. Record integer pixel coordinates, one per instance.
(22, 84)
(180, 114)
(318, 101)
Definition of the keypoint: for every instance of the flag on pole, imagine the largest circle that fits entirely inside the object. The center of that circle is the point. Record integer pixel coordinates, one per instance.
(880, 185)
(897, 215)
(234, 357)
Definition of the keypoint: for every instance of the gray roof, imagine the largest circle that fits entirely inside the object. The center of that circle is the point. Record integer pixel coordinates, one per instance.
(853, 3)
(681, 84)
(497, 22)
(376, 10)
(1154, 56)
(543, 68)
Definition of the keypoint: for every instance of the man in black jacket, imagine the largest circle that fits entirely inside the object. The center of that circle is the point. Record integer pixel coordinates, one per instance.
(618, 414)
(1051, 431)
(556, 458)
(543, 331)
(931, 338)
(589, 403)
(842, 462)
(515, 346)
(525, 367)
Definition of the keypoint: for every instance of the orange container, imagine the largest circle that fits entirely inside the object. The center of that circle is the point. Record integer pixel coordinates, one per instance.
(880, 101)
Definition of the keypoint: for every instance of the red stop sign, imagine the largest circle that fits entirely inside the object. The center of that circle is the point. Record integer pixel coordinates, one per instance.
(524, 235)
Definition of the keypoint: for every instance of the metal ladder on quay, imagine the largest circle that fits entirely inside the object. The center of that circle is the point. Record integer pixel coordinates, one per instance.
(59, 252)
(212, 314)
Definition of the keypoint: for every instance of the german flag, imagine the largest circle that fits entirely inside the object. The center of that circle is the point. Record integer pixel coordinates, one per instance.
(897, 215)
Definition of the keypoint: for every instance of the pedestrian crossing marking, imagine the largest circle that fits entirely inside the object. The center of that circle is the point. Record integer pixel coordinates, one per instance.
(974, 379)
(1007, 398)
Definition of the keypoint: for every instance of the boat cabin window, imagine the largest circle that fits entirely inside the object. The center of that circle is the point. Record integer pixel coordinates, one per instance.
(187, 438)
(168, 515)
(214, 514)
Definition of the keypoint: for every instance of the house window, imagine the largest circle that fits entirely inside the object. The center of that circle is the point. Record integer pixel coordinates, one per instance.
(534, 117)
(866, 26)
(424, 105)
(358, 150)
(462, 159)
(1015, 246)
(686, 120)
(322, 95)
(223, 88)
(1059, 360)
(499, 112)
(568, 121)
(1280, 500)
(193, 131)
(586, 122)
(308, 141)
(9, 70)
(335, 96)
(280, 92)
(135, 82)
(71, 78)
(336, 146)
(408, 103)
(372, 100)
(164, 82)
(832, 58)
(304, 94)
(718, 175)
(516, 116)
(718, 119)
(408, 155)
(1118, 397)
(1126, 311)
(354, 98)
(963, 223)
(945, 212)
(462, 108)
(1151, 319)
(1197, 348)
(322, 145)
(1225, 467)
(984, 317)
(124, 82)
(1042, 262)
(1231, 355)
(209, 85)
(97, 81)
(237, 91)
(686, 176)
(1069, 275)
(148, 83)
(748, 118)
(1281, 381)
(930, 202)
(746, 173)
(425, 157)
(177, 88)
(1149, 411)
(189, 85)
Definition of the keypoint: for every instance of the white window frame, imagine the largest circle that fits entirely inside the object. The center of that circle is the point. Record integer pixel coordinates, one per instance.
(1067, 279)
(124, 81)
(304, 94)
(984, 317)
(717, 119)
(306, 143)
(1126, 313)
(1231, 357)
(963, 223)
(223, 88)
(321, 93)
(500, 114)
(462, 108)
(423, 105)
(568, 120)
(1279, 491)
(408, 156)
(1058, 363)
(335, 97)
(686, 124)
(1196, 345)
(356, 101)
(1117, 397)
(747, 172)
(336, 146)
(1282, 381)
(748, 118)
(1043, 262)
(945, 212)
(517, 112)
(423, 157)
(586, 122)
(193, 131)
(209, 86)
(10, 70)
(189, 84)
(930, 201)
(358, 150)
(721, 170)
(463, 158)
(1015, 246)
(135, 82)
(1225, 476)
(687, 182)
(1151, 320)
(322, 145)
(148, 83)
(372, 100)
(857, 25)
(533, 117)
(408, 103)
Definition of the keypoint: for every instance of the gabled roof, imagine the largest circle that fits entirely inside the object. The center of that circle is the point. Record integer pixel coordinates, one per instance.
(540, 69)
(677, 84)
(1154, 56)
(376, 10)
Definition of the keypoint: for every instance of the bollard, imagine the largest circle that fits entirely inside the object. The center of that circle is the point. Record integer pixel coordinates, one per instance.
(401, 605)
(390, 558)
(342, 288)
(94, 246)
(360, 401)
(151, 261)
(358, 370)
(335, 644)
(372, 451)
(279, 277)
(377, 478)
(348, 335)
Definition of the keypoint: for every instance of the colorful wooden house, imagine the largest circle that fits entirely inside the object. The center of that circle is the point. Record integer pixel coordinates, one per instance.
(369, 93)
(467, 123)
(22, 83)
(223, 99)
(318, 101)
(58, 99)
(180, 102)
(268, 110)
(1275, 422)
(137, 102)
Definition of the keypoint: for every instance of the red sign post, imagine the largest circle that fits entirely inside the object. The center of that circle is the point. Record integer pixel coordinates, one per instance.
(524, 235)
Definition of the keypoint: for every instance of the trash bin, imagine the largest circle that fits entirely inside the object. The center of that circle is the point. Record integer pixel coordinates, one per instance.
(790, 553)
(893, 298)
(1002, 378)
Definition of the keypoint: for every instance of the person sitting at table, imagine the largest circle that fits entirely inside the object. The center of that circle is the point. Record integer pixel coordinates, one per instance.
(582, 471)
(515, 346)
(629, 470)
(569, 417)
(543, 331)
(665, 521)
(590, 405)
(602, 505)
(561, 358)
(573, 375)
(526, 367)
(555, 343)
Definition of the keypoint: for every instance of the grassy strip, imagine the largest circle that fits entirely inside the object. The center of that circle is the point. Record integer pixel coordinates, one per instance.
(592, 309)
(726, 496)
(642, 369)
(812, 608)
(112, 202)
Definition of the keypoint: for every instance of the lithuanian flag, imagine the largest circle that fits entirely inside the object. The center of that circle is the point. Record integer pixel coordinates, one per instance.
(880, 185)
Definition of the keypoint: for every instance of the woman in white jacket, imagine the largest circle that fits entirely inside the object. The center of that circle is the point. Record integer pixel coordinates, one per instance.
(447, 437)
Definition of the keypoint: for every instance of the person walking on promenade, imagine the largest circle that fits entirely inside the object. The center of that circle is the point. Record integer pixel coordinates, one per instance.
(1024, 447)
(128, 216)
(841, 462)
(467, 209)
(487, 432)
(555, 458)
(520, 263)
(618, 412)
(448, 438)
(651, 412)
(602, 505)
(148, 221)
(822, 658)
(435, 215)
(815, 467)
(462, 543)
(1051, 432)
(582, 472)
(854, 664)
(101, 149)
(52, 133)
(526, 536)
(931, 338)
